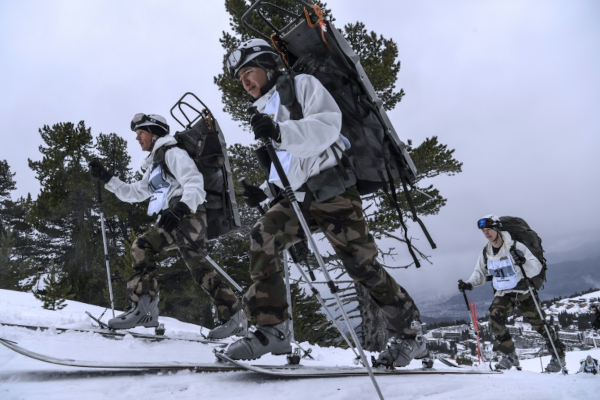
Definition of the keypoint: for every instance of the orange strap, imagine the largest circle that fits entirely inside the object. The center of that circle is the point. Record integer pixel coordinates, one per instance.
(320, 22)
(279, 50)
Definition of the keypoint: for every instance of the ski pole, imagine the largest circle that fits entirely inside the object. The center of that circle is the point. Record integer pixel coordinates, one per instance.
(110, 292)
(533, 294)
(204, 254)
(473, 322)
(289, 193)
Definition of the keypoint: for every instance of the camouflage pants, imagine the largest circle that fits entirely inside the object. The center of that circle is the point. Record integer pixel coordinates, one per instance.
(147, 246)
(503, 306)
(342, 221)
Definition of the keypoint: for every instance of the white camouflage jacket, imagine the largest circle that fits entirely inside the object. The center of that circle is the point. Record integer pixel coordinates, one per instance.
(309, 139)
(532, 265)
(186, 180)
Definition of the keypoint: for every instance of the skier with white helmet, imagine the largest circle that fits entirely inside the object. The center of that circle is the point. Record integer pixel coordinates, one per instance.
(176, 192)
(589, 365)
(310, 149)
(511, 291)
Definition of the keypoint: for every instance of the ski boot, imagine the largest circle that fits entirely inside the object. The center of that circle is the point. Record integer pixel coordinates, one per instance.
(143, 313)
(403, 348)
(236, 325)
(554, 365)
(262, 340)
(508, 361)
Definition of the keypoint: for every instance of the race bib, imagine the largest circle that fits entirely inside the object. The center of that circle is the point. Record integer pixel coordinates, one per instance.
(159, 188)
(503, 272)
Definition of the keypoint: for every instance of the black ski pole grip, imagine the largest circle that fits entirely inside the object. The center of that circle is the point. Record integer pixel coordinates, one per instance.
(466, 300)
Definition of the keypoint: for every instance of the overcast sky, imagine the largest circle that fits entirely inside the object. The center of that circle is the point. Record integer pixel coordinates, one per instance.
(513, 86)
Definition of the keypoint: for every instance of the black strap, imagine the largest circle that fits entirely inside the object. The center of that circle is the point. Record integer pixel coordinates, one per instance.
(391, 194)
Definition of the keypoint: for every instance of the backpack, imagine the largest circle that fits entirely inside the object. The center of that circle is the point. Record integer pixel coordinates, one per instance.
(205, 144)
(377, 155)
(520, 231)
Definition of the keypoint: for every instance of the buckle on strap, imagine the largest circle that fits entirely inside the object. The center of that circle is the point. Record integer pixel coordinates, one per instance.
(261, 337)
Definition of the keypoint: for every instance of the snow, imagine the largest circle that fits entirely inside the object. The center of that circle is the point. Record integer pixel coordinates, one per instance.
(22, 378)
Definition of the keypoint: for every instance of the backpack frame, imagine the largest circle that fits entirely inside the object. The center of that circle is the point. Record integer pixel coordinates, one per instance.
(204, 142)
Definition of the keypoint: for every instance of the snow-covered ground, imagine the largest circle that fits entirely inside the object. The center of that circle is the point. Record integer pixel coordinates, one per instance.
(23, 378)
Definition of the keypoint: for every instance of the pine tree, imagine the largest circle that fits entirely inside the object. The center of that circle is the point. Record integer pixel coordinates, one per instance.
(53, 294)
(310, 324)
(63, 210)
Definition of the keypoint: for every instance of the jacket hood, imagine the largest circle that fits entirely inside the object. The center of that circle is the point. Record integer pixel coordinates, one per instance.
(507, 243)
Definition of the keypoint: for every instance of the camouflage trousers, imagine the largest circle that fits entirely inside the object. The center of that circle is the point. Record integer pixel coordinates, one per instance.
(146, 247)
(503, 306)
(342, 221)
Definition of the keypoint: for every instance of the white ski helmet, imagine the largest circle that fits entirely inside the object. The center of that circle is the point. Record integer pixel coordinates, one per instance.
(140, 120)
(489, 221)
(258, 51)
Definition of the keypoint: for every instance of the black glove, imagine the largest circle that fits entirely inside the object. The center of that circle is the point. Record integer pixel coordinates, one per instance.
(264, 128)
(518, 256)
(462, 286)
(253, 195)
(97, 171)
(170, 218)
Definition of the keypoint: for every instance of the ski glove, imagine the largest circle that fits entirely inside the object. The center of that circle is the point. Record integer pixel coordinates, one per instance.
(253, 195)
(97, 171)
(171, 217)
(462, 286)
(264, 128)
(518, 256)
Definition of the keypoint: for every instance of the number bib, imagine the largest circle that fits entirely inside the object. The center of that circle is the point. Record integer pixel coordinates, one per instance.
(591, 368)
(504, 273)
(159, 188)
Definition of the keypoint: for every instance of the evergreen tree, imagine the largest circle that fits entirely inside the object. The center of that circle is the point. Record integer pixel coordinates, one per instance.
(53, 293)
(310, 324)
(7, 184)
(63, 210)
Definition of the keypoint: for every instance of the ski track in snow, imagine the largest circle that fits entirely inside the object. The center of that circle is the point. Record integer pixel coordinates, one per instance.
(22, 378)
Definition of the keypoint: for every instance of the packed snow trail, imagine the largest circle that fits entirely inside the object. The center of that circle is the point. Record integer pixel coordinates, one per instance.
(22, 378)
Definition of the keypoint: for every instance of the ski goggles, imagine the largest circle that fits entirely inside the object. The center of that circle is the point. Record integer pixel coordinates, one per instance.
(140, 118)
(485, 223)
(235, 59)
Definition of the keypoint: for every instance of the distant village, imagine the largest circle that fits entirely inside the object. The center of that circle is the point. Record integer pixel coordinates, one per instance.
(570, 317)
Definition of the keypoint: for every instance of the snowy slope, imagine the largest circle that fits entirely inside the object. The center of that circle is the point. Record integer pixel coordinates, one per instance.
(575, 305)
(22, 378)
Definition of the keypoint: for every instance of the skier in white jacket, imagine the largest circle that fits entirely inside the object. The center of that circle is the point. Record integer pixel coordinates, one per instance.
(176, 192)
(310, 150)
(510, 290)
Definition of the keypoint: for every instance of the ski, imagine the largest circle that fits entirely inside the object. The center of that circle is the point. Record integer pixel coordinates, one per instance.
(169, 365)
(228, 364)
(114, 334)
(301, 371)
